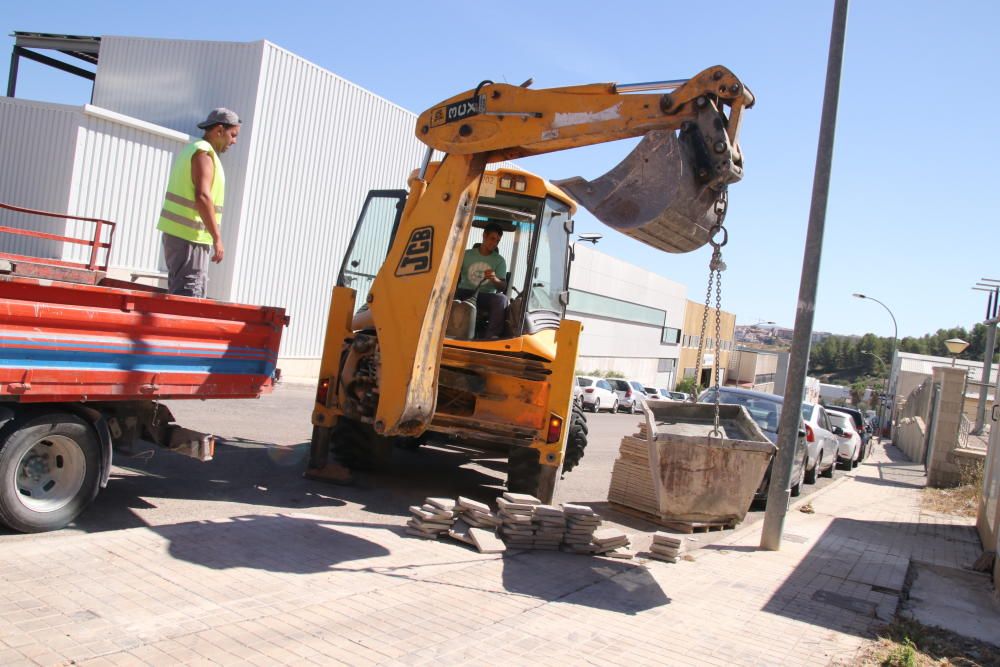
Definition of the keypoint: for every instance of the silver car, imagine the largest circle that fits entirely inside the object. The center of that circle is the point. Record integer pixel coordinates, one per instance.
(821, 443)
(631, 394)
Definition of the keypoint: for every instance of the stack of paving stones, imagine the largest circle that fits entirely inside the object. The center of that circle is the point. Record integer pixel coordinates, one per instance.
(608, 541)
(631, 478)
(549, 523)
(517, 512)
(476, 525)
(477, 514)
(581, 522)
(665, 547)
(432, 519)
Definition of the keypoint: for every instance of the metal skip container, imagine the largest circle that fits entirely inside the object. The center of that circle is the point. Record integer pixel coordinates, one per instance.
(699, 477)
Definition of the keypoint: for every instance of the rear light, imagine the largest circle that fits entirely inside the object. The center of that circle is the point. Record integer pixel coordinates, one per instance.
(555, 429)
(628, 393)
(589, 390)
(809, 434)
(845, 435)
(323, 391)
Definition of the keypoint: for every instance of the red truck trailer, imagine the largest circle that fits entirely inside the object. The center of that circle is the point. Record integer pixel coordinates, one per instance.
(85, 361)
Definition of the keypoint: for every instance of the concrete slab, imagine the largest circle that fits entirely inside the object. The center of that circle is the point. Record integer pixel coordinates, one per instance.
(956, 600)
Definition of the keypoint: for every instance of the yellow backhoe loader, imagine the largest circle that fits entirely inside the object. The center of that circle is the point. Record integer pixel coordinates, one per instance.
(402, 358)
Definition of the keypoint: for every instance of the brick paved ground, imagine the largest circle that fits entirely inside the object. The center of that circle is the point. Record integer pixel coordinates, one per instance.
(275, 588)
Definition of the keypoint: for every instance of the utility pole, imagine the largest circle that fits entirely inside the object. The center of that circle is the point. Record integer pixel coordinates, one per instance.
(788, 430)
(991, 339)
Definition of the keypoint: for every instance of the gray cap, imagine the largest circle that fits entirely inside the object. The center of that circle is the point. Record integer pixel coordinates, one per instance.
(221, 115)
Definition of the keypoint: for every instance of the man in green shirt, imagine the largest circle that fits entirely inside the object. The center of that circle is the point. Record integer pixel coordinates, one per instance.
(483, 267)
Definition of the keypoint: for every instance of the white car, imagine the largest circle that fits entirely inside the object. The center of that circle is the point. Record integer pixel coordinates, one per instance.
(596, 394)
(821, 443)
(850, 444)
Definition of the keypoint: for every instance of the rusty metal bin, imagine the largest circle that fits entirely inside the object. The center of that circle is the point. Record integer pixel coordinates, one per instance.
(698, 477)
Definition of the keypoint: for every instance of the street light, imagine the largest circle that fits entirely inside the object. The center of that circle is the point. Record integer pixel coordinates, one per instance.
(885, 381)
(956, 346)
(895, 335)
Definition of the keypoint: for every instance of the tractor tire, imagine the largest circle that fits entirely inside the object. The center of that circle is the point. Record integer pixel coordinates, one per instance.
(356, 445)
(576, 441)
(50, 469)
(525, 474)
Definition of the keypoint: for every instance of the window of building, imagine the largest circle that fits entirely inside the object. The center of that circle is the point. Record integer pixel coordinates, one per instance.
(588, 303)
(666, 365)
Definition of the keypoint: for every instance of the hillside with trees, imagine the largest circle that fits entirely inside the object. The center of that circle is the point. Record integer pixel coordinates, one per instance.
(849, 359)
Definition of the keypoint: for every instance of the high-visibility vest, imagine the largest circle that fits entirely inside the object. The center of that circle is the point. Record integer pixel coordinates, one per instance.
(180, 216)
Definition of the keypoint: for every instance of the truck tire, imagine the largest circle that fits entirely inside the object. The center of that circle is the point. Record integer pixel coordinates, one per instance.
(576, 441)
(50, 469)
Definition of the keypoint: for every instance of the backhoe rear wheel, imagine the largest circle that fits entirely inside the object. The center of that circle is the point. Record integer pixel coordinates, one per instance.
(357, 446)
(526, 475)
(576, 442)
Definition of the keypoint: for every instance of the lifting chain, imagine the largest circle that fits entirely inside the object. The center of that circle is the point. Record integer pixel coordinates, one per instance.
(715, 268)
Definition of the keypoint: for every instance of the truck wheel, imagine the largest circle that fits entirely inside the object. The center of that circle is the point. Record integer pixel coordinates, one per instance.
(357, 446)
(49, 472)
(576, 442)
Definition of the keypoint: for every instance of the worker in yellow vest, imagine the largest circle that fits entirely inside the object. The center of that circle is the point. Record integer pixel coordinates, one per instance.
(191, 218)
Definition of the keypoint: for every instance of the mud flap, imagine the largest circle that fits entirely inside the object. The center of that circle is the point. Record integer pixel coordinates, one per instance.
(664, 192)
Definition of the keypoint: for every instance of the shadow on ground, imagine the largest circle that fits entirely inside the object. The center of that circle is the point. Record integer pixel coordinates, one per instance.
(261, 474)
(583, 580)
(293, 545)
(856, 567)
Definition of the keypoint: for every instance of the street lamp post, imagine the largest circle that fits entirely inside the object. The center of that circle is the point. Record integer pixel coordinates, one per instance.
(892, 353)
(885, 382)
(956, 346)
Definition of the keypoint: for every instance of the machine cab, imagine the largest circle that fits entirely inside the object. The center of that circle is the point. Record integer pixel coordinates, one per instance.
(536, 219)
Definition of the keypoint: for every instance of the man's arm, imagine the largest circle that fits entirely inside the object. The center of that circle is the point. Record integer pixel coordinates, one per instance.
(202, 173)
(498, 280)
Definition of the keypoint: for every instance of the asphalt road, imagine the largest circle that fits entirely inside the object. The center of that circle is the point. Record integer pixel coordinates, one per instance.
(262, 452)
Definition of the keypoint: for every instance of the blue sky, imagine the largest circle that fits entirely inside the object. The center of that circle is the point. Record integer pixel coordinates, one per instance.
(909, 214)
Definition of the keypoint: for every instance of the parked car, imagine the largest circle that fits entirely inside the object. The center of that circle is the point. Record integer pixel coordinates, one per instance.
(631, 394)
(596, 394)
(849, 451)
(675, 395)
(821, 442)
(861, 424)
(653, 393)
(765, 409)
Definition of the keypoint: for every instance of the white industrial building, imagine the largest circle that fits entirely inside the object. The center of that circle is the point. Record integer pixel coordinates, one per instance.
(632, 318)
(310, 147)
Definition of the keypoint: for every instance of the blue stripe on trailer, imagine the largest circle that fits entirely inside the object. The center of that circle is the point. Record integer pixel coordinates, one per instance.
(95, 361)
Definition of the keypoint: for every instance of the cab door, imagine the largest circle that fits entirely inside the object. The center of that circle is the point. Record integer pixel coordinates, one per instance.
(371, 240)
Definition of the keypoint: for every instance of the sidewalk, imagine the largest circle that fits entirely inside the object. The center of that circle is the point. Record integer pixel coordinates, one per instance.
(274, 588)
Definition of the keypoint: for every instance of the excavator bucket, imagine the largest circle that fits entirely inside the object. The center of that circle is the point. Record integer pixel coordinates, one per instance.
(664, 192)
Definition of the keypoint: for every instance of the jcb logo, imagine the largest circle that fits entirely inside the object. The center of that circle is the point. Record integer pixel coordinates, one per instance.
(417, 255)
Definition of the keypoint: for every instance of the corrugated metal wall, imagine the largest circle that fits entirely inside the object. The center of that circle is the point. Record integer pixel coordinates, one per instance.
(319, 144)
(37, 141)
(120, 173)
(175, 83)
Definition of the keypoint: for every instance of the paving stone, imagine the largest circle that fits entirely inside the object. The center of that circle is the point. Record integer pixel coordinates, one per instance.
(475, 505)
(447, 504)
(521, 498)
(486, 541)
